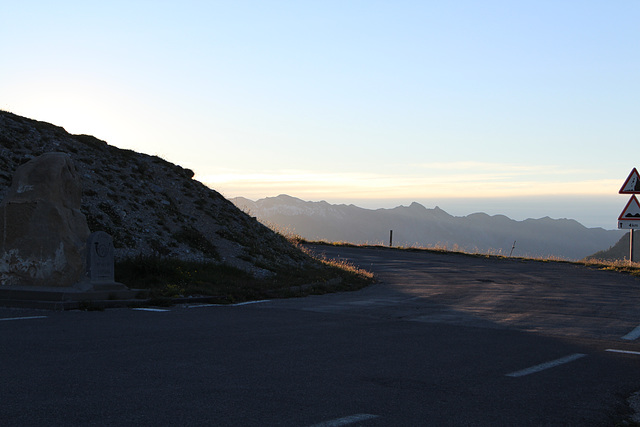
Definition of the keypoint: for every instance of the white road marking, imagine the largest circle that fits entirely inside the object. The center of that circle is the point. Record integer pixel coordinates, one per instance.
(204, 305)
(546, 365)
(345, 420)
(250, 302)
(24, 318)
(150, 309)
(623, 351)
(635, 334)
(227, 305)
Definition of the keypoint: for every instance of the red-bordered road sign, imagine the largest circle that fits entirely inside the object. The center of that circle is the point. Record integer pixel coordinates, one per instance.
(630, 216)
(631, 184)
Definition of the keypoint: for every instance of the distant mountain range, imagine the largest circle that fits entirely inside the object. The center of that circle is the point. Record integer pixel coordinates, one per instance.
(416, 225)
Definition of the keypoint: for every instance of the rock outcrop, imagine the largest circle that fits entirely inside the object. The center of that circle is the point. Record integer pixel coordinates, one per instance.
(42, 231)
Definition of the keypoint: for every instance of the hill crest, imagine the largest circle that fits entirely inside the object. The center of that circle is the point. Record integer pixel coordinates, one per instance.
(149, 205)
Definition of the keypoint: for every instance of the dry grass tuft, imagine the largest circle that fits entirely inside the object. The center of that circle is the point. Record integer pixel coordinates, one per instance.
(621, 265)
(348, 267)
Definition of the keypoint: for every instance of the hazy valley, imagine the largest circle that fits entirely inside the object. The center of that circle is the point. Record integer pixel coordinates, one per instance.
(416, 225)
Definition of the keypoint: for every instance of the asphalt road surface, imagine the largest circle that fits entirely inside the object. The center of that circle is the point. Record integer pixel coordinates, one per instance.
(442, 340)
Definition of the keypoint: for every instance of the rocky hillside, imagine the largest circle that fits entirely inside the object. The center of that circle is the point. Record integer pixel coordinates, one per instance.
(619, 251)
(149, 205)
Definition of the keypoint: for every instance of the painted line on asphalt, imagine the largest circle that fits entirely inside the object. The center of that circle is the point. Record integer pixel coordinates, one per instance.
(150, 309)
(25, 318)
(204, 305)
(546, 365)
(227, 305)
(250, 302)
(623, 351)
(633, 335)
(346, 420)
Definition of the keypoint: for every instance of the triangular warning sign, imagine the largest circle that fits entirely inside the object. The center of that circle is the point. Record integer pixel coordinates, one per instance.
(632, 184)
(631, 212)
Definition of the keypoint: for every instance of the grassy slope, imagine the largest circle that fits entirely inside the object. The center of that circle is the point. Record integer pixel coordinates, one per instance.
(173, 278)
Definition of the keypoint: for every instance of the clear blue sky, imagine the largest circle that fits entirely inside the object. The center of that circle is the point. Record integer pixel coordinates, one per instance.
(514, 107)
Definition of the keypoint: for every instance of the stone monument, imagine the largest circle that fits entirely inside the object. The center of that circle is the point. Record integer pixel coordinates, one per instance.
(42, 231)
(48, 258)
(100, 258)
(100, 262)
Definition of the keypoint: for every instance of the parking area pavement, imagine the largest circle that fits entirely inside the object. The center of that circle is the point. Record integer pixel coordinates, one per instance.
(552, 298)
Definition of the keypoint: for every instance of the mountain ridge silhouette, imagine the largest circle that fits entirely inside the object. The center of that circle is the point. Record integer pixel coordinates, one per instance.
(416, 225)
